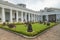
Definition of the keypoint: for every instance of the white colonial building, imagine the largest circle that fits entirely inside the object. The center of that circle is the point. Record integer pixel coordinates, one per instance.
(17, 13)
(50, 14)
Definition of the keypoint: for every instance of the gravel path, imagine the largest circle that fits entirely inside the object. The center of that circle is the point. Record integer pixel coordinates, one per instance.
(51, 34)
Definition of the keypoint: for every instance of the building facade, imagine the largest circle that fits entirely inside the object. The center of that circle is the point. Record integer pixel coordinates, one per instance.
(16, 13)
(19, 13)
(50, 14)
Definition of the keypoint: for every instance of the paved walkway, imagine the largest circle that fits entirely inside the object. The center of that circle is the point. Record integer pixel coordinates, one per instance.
(52, 34)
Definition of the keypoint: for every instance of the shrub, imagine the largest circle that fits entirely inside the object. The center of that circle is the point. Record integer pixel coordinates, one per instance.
(32, 22)
(7, 22)
(26, 23)
(4, 24)
(11, 25)
(48, 23)
(18, 23)
(44, 23)
(40, 22)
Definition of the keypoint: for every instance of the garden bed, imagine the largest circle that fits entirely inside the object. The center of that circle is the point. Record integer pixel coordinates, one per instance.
(22, 29)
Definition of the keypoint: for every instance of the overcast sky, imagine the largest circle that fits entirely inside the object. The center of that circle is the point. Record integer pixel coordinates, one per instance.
(37, 4)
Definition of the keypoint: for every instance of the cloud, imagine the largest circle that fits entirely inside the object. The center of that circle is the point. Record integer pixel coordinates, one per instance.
(45, 3)
(38, 4)
(5, 0)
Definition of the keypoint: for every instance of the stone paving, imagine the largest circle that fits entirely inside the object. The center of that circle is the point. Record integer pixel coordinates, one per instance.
(51, 34)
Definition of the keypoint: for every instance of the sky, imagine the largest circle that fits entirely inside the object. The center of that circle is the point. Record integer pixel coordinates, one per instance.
(37, 4)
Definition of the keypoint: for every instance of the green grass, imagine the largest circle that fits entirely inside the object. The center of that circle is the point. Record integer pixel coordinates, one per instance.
(22, 29)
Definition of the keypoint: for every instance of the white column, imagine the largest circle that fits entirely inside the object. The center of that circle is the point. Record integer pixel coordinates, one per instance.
(29, 16)
(3, 15)
(37, 18)
(57, 17)
(34, 18)
(11, 16)
(16, 16)
(41, 17)
(25, 16)
(46, 17)
(21, 16)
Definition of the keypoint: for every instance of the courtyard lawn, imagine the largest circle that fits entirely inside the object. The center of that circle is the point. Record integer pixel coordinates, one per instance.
(22, 29)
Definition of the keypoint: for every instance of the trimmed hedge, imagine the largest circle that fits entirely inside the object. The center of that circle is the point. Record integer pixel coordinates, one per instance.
(27, 34)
